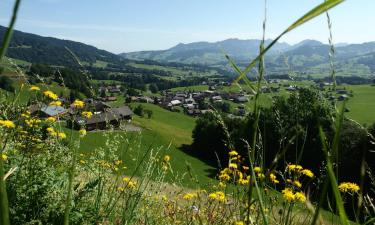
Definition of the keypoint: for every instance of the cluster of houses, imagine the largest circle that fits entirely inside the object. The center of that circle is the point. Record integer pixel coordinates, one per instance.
(190, 101)
(104, 116)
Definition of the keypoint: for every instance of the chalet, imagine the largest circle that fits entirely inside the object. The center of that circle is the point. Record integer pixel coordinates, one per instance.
(217, 98)
(291, 88)
(124, 112)
(51, 111)
(194, 112)
(97, 121)
(176, 102)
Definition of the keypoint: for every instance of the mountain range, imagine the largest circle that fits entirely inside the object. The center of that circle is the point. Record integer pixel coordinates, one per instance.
(309, 57)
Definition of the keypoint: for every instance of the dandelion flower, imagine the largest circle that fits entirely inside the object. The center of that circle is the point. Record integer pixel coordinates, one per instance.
(273, 178)
(288, 195)
(233, 153)
(82, 132)
(88, 115)
(307, 173)
(7, 123)
(167, 158)
(189, 196)
(300, 196)
(78, 104)
(55, 103)
(34, 88)
(51, 119)
(50, 95)
(257, 169)
(239, 223)
(232, 166)
(3, 157)
(61, 135)
(348, 187)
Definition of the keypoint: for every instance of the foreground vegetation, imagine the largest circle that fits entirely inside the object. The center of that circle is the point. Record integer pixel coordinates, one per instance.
(53, 175)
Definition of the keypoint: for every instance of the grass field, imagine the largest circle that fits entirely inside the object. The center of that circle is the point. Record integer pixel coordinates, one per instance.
(362, 104)
(166, 132)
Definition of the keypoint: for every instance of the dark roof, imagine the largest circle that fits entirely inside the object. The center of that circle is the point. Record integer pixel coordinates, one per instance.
(123, 111)
(98, 118)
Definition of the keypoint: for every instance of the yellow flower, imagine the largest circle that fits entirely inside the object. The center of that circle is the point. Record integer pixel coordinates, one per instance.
(261, 176)
(3, 157)
(190, 196)
(224, 177)
(167, 158)
(232, 166)
(295, 168)
(308, 173)
(288, 194)
(219, 195)
(82, 161)
(82, 132)
(51, 119)
(233, 153)
(273, 178)
(78, 104)
(243, 181)
(88, 115)
(348, 187)
(257, 169)
(239, 223)
(34, 88)
(55, 103)
(50, 95)
(7, 124)
(300, 196)
(297, 184)
(61, 135)
(222, 185)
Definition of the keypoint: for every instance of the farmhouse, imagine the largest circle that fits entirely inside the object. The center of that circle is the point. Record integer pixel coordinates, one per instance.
(98, 121)
(124, 112)
(47, 111)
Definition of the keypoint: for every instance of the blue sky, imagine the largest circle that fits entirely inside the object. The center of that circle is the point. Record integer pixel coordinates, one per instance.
(133, 25)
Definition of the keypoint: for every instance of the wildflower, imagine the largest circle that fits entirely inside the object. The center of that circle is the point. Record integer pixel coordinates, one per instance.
(120, 189)
(297, 184)
(233, 153)
(88, 115)
(55, 103)
(129, 183)
(243, 181)
(118, 162)
(261, 176)
(7, 123)
(239, 223)
(167, 158)
(348, 187)
(61, 135)
(224, 177)
(288, 194)
(222, 185)
(273, 178)
(307, 173)
(300, 196)
(34, 88)
(294, 168)
(232, 166)
(3, 157)
(219, 195)
(82, 161)
(189, 196)
(50, 95)
(78, 104)
(246, 168)
(257, 169)
(51, 119)
(82, 132)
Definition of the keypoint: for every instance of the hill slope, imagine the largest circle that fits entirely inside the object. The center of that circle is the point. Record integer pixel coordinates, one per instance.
(47, 50)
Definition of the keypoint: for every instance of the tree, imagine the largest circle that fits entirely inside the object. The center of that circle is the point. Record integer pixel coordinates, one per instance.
(139, 110)
(153, 88)
(149, 113)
